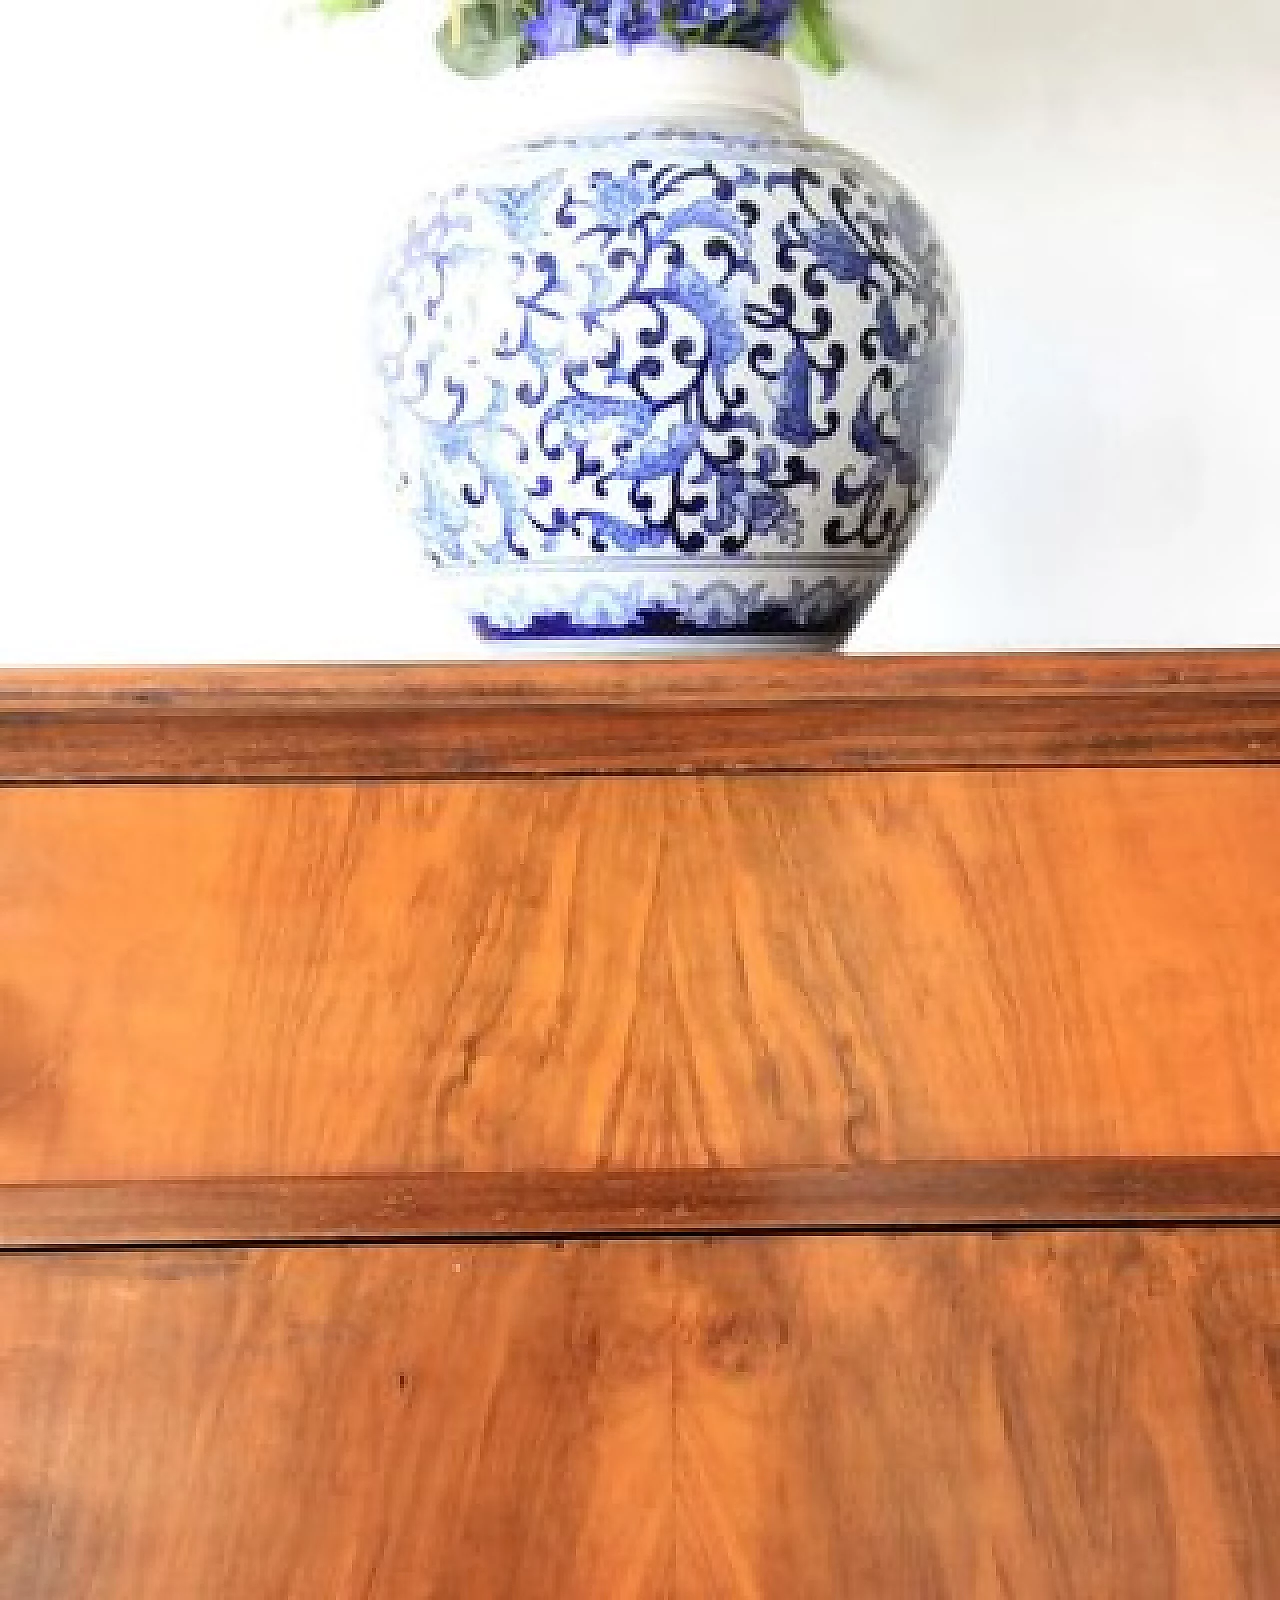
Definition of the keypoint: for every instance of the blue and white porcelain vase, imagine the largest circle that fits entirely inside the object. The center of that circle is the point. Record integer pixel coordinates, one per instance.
(668, 374)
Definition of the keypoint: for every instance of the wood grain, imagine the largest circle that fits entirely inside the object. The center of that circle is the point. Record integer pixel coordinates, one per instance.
(638, 975)
(1053, 1416)
(640, 716)
(486, 1205)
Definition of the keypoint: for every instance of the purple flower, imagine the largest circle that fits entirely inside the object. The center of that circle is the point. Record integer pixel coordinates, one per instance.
(635, 22)
(554, 29)
(560, 25)
(700, 13)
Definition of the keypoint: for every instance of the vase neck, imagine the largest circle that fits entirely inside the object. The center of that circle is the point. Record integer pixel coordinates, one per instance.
(603, 89)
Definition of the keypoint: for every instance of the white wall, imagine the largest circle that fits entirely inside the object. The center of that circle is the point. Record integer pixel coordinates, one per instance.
(195, 197)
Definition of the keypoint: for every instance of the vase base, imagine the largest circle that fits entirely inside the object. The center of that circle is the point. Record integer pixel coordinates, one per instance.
(654, 609)
(660, 649)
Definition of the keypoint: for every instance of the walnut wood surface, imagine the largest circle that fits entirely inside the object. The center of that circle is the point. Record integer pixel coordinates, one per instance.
(631, 975)
(740, 714)
(1051, 1416)
(469, 1205)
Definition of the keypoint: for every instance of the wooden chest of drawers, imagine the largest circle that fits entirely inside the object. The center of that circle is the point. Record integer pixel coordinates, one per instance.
(790, 1130)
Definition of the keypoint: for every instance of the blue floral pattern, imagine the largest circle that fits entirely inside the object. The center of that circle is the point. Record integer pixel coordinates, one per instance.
(710, 377)
(769, 607)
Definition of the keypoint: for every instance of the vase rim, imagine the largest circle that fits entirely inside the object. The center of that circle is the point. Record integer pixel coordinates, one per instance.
(606, 88)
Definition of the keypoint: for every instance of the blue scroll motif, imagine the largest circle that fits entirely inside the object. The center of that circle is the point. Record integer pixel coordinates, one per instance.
(705, 348)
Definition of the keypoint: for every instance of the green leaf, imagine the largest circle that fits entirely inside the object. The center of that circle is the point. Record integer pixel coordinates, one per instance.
(487, 42)
(813, 38)
(340, 8)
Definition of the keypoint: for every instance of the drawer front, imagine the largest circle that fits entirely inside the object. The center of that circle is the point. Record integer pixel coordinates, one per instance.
(638, 973)
(1058, 1415)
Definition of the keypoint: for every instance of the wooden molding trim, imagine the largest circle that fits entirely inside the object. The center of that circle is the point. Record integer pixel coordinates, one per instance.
(874, 1196)
(472, 719)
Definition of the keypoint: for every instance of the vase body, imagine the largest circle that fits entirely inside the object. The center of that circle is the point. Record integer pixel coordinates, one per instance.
(668, 379)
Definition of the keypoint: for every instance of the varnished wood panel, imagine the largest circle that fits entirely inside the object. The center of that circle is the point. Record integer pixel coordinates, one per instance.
(691, 1200)
(1063, 1417)
(631, 975)
(640, 716)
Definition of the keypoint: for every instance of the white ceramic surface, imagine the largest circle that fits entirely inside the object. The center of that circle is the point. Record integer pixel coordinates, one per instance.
(677, 376)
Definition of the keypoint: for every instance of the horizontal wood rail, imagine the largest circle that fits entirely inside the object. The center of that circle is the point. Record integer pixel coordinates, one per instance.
(836, 713)
(871, 1196)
